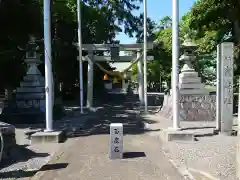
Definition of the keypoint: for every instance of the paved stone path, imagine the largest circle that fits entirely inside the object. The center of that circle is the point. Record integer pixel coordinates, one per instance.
(85, 156)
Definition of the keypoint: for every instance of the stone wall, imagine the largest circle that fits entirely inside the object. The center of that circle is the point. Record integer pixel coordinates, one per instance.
(192, 107)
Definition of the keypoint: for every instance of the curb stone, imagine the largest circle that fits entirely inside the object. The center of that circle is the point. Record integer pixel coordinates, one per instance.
(181, 169)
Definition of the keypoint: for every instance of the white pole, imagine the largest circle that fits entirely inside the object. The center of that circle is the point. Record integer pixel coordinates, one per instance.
(80, 54)
(48, 65)
(218, 102)
(175, 59)
(145, 56)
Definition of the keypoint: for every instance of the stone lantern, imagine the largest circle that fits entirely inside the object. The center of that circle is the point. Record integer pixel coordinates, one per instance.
(33, 59)
(189, 81)
(30, 96)
(195, 103)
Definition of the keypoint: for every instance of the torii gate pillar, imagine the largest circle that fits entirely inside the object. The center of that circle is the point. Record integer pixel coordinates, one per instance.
(90, 81)
(140, 79)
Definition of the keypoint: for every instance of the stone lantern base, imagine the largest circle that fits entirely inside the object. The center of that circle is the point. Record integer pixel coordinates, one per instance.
(198, 107)
(195, 102)
(190, 84)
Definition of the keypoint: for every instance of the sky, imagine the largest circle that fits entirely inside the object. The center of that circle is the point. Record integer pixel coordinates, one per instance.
(156, 10)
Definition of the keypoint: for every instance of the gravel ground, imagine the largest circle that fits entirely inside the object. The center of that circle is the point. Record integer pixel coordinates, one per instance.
(210, 157)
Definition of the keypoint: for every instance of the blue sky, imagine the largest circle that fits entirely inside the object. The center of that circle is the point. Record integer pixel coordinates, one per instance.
(156, 10)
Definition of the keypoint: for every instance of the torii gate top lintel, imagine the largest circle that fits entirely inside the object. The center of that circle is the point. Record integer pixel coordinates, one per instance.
(115, 57)
(106, 47)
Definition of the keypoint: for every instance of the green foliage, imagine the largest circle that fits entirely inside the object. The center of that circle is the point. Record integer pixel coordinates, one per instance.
(216, 21)
(151, 26)
(161, 66)
(101, 20)
(205, 63)
(208, 23)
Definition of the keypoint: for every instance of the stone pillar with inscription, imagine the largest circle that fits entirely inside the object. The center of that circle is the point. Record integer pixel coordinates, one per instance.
(116, 141)
(225, 100)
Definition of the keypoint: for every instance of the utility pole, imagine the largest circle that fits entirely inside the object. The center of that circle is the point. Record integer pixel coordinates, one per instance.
(80, 53)
(175, 63)
(48, 65)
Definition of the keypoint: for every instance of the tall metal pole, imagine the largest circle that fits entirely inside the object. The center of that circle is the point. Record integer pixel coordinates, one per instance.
(145, 56)
(218, 102)
(175, 64)
(80, 53)
(48, 65)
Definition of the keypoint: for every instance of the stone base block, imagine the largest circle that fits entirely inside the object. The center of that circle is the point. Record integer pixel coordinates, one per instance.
(47, 137)
(233, 132)
(192, 107)
(229, 133)
(175, 135)
(192, 92)
(191, 86)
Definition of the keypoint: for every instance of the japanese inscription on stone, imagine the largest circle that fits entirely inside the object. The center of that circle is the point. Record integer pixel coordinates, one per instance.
(116, 141)
(226, 86)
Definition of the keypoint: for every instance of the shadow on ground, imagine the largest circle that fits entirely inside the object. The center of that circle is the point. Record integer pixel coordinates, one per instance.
(116, 109)
(20, 153)
(130, 155)
(24, 174)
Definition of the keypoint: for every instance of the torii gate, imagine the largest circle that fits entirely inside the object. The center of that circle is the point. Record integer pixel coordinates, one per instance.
(114, 57)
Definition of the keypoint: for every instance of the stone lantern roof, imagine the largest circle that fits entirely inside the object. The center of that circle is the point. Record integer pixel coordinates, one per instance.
(188, 43)
(189, 81)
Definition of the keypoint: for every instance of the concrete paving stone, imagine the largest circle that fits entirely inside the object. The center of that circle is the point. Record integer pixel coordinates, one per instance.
(88, 159)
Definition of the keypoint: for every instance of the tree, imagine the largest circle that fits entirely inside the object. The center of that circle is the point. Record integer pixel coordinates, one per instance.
(100, 23)
(18, 20)
(165, 23)
(220, 16)
(151, 27)
(101, 20)
(161, 66)
(205, 63)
